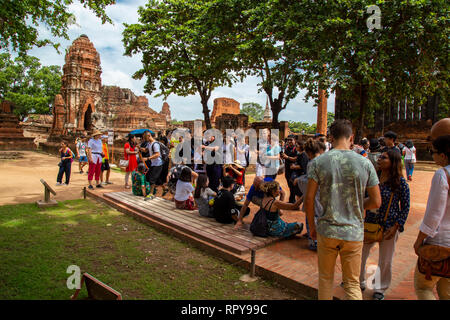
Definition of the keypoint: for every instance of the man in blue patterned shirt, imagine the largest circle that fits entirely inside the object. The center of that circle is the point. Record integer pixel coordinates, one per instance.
(343, 177)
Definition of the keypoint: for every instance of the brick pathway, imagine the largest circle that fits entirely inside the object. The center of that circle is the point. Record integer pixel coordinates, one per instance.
(292, 264)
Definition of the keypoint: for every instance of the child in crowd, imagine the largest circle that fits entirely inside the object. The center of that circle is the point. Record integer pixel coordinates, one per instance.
(105, 161)
(202, 196)
(226, 210)
(140, 185)
(183, 192)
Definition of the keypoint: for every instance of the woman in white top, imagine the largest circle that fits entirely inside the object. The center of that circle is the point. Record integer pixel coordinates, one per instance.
(95, 155)
(409, 152)
(435, 227)
(183, 193)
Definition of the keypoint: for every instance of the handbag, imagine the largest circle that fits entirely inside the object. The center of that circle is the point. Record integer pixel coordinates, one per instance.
(123, 163)
(433, 259)
(60, 164)
(373, 232)
(259, 226)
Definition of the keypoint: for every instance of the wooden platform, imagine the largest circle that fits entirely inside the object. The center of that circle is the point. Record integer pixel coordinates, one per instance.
(238, 241)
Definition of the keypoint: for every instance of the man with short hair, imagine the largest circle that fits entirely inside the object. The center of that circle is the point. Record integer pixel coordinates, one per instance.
(81, 153)
(343, 178)
(156, 163)
(389, 141)
(290, 155)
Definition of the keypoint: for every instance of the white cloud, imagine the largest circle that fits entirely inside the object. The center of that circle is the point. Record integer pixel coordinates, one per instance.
(118, 69)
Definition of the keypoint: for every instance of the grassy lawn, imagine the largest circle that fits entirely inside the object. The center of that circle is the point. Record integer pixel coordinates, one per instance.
(37, 246)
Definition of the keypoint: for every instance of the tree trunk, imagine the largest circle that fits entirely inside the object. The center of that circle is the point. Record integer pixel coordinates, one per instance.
(362, 109)
(206, 114)
(276, 109)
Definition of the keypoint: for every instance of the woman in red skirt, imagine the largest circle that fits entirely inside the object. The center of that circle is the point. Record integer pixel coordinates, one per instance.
(130, 150)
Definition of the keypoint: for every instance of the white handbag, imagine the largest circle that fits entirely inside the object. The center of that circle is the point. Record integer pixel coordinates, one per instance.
(123, 163)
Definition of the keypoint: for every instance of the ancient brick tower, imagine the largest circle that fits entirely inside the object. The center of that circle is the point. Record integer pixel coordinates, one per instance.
(80, 90)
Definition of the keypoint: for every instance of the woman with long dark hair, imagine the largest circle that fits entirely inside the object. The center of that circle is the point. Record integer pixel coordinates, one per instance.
(130, 152)
(391, 215)
(202, 194)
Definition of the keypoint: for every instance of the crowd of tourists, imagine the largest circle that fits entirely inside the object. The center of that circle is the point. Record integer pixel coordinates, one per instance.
(354, 195)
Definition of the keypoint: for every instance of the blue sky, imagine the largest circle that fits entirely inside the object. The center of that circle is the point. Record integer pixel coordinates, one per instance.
(118, 69)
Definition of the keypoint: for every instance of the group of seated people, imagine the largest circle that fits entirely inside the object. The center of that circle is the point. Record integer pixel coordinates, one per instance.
(226, 205)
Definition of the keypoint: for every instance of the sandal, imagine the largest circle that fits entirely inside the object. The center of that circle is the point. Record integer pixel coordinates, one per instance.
(378, 296)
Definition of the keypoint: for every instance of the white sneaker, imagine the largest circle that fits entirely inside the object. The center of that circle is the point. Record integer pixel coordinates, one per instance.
(59, 184)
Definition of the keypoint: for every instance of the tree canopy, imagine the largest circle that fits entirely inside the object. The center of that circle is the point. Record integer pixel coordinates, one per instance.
(184, 51)
(30, 87)
(254, 111)
(19, 21)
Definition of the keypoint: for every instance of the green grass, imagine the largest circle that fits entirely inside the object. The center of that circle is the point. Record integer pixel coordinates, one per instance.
(38, 245)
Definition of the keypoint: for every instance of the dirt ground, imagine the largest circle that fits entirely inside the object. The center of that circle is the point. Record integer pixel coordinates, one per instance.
(20, 178)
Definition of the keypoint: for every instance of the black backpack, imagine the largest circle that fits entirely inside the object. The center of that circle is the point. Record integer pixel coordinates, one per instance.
(163, 151)
(259, 226)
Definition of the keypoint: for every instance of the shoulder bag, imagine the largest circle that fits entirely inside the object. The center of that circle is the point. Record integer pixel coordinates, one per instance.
(373, 232)
(434, 260)
(259, 226)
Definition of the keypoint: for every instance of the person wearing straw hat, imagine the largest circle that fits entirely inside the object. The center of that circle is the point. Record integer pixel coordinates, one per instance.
(95, 156)
(237, 172)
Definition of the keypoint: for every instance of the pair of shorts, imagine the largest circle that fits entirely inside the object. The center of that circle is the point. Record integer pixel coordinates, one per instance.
(105, 165)
(83, 159)
(153, 174)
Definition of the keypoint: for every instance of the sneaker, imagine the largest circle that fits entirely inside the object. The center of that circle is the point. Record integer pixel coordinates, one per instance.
(107, 182)
(99, 186)
(59, 184)
(91, 187)
(104, 183)
(149, 197)
(378, 296)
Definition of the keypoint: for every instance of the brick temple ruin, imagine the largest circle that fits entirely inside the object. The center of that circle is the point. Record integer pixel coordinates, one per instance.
(84, 104)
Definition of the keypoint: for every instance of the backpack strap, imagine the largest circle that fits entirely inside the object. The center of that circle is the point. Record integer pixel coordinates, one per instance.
(448, 178)
(388, 208)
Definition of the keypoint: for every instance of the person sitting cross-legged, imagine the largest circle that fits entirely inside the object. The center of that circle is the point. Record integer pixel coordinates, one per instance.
(276, 226)
(225, 208)
(140, 185)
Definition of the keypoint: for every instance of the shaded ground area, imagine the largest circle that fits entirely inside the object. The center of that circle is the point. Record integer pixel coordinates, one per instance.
(37, 246)
(20, 178)
(290, 259)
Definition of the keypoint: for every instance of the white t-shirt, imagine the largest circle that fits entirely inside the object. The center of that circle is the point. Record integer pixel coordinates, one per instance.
(228, 153)
(96, 147)
(81, 148)
(409, 153)
(183, 190)
(154, 148)
(241, 151)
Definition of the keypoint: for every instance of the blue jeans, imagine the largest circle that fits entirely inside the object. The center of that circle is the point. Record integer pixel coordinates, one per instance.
(64, 169)
(409, 166)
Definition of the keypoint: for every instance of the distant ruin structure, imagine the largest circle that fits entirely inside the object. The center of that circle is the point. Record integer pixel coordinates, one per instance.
(84, 104)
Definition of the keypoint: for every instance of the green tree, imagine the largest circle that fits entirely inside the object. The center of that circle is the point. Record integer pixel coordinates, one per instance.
(254, 111)
(183, 48)
(19, 21)
(302, 127)
(30, 87)
(408, 56)
(330, 118)
(265, 49)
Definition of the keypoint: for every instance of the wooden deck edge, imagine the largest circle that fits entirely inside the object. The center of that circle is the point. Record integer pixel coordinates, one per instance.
(307, 291)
